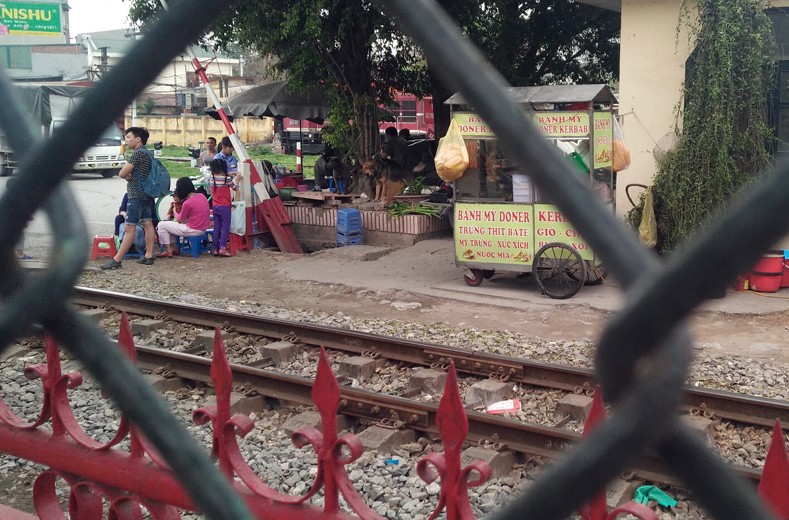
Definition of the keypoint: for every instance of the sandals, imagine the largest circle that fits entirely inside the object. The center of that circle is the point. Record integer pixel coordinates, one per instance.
(163, 254)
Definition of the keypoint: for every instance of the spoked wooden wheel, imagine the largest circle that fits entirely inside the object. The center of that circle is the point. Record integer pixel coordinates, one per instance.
(473, 278)
(559, 270)
(595, 274)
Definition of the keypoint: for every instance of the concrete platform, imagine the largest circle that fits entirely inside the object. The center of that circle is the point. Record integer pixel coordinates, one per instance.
(428, 267)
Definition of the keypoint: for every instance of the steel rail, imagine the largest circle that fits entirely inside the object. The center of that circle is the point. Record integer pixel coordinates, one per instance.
(525, 438)
(725, 405)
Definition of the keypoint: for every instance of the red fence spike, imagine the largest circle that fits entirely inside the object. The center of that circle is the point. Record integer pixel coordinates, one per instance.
(774, 486)
(453, 424)
(596, 509)
(222, 378)
(126, 339)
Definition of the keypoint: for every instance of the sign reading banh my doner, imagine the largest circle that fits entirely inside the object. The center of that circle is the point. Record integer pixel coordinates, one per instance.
(30, 19)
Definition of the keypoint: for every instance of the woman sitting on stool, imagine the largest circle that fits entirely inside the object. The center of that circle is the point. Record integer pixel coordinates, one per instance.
(192, 221)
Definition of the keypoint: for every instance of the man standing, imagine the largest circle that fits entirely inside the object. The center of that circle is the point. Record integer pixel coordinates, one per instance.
(208, 156)
(138, 208)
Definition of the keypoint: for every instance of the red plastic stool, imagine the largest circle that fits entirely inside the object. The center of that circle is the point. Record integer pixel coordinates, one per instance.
(103, 247)
(238, 243)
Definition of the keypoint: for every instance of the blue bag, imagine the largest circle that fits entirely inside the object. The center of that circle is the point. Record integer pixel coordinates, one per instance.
(158, 182)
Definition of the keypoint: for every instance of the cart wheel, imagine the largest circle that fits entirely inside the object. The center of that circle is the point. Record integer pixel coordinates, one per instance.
(559, 270)
(473, 278)
(487, 274)
(595, 274)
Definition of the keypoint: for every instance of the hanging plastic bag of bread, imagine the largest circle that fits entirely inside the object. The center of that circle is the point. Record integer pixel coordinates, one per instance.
(647, 230)
(621, 151)
(452, 156)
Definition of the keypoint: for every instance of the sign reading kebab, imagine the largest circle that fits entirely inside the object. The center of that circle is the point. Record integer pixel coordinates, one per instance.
(30, 19)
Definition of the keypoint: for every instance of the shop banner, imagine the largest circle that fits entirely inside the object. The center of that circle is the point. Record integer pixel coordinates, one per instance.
(551, 124)
(603, 140)
(472, 126)
(30, 19)
(562, 124)
(550, 225)
(494, 233)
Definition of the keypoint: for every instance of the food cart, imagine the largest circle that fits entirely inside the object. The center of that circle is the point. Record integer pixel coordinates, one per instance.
(501, 220)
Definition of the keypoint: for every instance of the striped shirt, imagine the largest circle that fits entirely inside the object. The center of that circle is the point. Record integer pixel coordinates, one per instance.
(220, 190)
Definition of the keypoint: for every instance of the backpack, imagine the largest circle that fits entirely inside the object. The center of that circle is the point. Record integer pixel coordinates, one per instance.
(158, 182)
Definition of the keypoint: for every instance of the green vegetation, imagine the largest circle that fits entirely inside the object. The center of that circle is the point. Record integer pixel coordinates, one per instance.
(724, 140)
(359, 57)
(398, 209)
(183, 168)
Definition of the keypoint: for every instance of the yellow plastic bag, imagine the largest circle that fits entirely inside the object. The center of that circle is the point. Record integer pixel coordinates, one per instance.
(647, 230)
(452, 156)
(620, 148)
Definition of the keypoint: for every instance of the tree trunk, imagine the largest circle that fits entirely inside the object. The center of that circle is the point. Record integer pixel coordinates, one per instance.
(365, 129)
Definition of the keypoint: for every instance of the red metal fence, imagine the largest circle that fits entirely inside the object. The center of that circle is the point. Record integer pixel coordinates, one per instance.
(130, 480)
(642, 357)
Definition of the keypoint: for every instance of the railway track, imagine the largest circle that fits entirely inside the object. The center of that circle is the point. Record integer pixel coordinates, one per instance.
(521, 437)
(741, 408)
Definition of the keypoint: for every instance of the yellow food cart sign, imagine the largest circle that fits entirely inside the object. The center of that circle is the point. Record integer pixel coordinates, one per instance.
(472, 126)
(603, 140)
(511, 233)
(494, 233)
(562, 124)
(551, 124)
(550, 225)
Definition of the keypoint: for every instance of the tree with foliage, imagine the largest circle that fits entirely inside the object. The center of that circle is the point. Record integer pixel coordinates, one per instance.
(539, 43)
(724, 137)
(358, 56)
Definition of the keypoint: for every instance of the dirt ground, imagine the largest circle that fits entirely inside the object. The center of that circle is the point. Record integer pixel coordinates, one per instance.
(422, 284)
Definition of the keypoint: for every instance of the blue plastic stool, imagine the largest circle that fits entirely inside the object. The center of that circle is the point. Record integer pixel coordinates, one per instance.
(195, 244)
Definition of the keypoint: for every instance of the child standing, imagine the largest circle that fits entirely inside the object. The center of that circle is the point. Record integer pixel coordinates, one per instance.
(221, 184)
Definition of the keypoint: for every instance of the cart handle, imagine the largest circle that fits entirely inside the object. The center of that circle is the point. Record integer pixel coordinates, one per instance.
(627, 191)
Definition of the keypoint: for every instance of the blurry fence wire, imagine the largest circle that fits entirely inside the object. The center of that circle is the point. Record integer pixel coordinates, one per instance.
(643, 356)
(39, 183)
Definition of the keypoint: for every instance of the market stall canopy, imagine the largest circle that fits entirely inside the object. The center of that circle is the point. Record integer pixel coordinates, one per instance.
(599, 94)
(275, 100)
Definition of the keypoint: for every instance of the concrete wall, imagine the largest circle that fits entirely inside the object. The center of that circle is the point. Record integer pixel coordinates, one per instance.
(652, 70)
(189, 129)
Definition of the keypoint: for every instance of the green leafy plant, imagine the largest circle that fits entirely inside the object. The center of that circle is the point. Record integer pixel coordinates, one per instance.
(724, 136)
(398, 209)
(148, 106)
(415, 187)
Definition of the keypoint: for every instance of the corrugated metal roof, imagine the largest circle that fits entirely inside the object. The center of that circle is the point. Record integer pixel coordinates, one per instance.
(597, 93)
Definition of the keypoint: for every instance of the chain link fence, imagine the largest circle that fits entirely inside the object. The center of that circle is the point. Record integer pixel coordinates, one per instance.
(643, 356)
